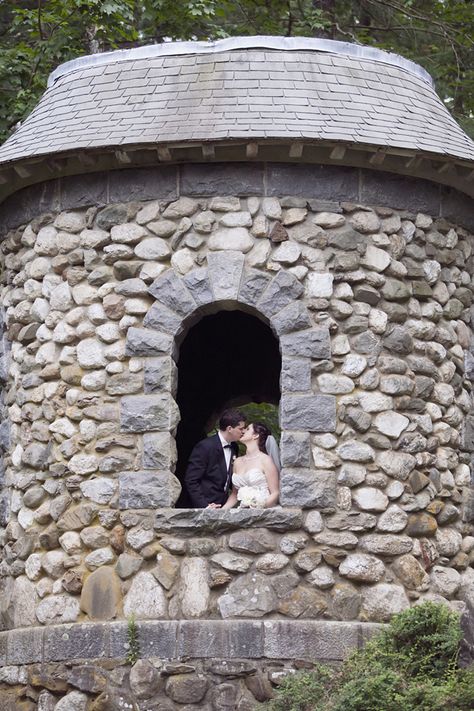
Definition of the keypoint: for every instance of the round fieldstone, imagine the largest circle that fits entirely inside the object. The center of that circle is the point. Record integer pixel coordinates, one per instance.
(445, 581)
(393, 520)
(368, 498)
(391, 423)
(153, 249)
(397, 464)
(382, 601)
(355, 451)
(271, 563)
(145, 598)
(386, 544)
(354, 365)
(335, 384)
(58, 609)
(186, 688)
(128, 233)
(410, 572)
(90, 354)
(421, 524)
(231, 238)
(448, 541)
(362, 567)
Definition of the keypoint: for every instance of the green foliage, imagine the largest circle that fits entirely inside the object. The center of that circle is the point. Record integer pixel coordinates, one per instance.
(263, 412)
(411, 666)
(37, 35)
(300, 691)
(133, 654)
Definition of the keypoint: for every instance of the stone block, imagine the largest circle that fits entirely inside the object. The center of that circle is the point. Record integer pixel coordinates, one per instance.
(28, 204)
(468, 505)
(158, 638)
(295, 450)
(5, 435)
(160, 375)
(197, 282)
(252, 286)
(143, 184)
(159, 451)
(282, 290)
(466, 652)
(294, 317)
(142, 413)
(25, 646)
(78, 641)
(310, 343)
(468, 433)
(311, 413)
(295, 375)
(455, 208)
(3, 648)
(170, 290)
(325, 181)
(144, 342)
(147, 489)
(162, 319)
(308, 488)
(221, 179)
(312, 639)
(228, 639)
(85, 190)
(399, 191)
(212, 521)
(225, 274)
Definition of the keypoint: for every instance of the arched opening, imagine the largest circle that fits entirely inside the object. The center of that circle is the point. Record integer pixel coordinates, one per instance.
(227, 359)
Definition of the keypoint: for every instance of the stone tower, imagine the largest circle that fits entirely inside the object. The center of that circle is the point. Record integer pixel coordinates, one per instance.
(190, 225)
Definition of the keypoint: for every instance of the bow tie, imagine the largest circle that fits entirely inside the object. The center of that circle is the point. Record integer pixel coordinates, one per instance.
(227, 446)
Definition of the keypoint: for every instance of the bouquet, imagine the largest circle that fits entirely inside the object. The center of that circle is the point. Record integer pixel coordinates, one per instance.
(251, 497)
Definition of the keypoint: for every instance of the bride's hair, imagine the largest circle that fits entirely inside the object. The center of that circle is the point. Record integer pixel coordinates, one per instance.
(263, 432)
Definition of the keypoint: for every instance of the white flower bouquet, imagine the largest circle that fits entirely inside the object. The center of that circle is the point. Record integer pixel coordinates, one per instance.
(250, 497)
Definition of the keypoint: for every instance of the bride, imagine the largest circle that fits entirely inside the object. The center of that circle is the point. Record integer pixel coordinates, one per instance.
(255, 476)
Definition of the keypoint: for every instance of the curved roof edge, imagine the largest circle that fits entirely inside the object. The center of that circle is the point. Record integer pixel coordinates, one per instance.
(236, 43)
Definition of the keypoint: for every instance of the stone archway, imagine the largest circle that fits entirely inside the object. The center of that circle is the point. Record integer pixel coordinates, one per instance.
(181, 302)
(227, 358)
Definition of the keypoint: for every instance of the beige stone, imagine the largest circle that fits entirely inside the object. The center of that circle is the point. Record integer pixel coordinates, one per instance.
(101, 596)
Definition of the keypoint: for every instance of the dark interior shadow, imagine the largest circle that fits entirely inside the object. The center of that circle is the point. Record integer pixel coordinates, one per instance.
(227, 359)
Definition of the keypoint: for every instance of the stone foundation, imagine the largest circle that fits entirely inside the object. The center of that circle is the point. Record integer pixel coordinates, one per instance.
(234, 664)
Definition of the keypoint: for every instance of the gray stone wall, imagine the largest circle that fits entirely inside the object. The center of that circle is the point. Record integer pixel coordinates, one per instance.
(372, 311)
(213, 664)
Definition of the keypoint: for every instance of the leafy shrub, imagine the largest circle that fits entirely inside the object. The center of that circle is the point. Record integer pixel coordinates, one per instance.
(410, 666)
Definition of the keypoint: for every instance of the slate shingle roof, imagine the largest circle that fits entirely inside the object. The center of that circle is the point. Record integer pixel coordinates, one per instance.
(275, 89)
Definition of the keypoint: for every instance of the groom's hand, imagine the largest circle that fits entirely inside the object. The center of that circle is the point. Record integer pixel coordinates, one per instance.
(213, 506)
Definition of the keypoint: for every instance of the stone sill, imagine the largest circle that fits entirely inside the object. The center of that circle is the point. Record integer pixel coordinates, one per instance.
(195, 521)
(311, 640)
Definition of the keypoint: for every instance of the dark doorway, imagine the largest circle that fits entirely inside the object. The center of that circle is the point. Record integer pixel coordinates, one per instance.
(227, 359)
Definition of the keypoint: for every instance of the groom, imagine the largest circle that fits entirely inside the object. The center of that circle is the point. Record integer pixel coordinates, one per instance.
(209, 472)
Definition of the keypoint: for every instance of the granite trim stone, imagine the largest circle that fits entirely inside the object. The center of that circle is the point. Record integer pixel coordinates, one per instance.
(313, 640)
(353, 184)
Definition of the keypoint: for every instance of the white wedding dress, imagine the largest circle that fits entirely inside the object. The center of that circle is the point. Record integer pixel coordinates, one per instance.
(252, 488)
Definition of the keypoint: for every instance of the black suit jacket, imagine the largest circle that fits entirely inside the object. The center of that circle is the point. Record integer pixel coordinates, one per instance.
(206, 473)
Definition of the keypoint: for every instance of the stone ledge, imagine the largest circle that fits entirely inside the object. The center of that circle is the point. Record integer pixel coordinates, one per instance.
(275, 177)
(312, 640)
(195, 521)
